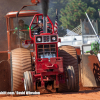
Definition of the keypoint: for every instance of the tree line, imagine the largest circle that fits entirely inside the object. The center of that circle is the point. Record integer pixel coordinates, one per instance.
(71, 11)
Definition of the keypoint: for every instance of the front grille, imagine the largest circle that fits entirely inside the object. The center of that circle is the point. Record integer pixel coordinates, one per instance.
(46, 51)
(46, 39)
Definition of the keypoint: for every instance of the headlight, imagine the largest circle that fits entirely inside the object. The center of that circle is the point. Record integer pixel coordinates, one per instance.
(53, 38)
(39, 39)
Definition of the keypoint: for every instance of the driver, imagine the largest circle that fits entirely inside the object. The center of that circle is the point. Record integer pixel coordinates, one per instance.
(40, 27)
(22, 26)
(40, 24)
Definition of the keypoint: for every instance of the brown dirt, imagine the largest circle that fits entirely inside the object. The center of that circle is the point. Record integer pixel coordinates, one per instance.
(81, 95)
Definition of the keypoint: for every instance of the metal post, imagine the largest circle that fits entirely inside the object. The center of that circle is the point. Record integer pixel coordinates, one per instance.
(45, 24)
(92, 25)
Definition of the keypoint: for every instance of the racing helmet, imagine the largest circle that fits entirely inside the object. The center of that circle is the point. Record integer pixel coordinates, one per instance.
(40, 21)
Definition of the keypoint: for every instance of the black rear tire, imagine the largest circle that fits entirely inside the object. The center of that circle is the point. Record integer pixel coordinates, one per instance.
(69, 59)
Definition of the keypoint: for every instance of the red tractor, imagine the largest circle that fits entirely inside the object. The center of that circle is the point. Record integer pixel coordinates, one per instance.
(51, 66)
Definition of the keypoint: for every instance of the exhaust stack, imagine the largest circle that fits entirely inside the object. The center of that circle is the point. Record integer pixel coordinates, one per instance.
(44, 4)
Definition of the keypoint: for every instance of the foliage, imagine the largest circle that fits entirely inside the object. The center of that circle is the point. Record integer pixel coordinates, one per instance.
(75, 10)
(71, 11)
(71, 14)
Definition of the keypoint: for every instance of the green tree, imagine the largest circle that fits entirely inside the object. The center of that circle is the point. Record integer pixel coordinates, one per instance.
(75, 10)
(71, 14)
(71, 11)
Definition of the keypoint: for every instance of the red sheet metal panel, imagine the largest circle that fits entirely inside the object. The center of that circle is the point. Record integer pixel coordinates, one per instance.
(90, 71)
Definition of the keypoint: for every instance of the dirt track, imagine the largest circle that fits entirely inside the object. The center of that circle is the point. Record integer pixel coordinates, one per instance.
(82, 95)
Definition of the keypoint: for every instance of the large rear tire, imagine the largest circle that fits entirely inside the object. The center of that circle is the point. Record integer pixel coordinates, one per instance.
(20, 62)
(69, 59)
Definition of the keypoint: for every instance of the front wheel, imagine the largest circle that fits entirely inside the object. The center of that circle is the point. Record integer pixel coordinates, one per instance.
(70, 78)
(28, 81)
